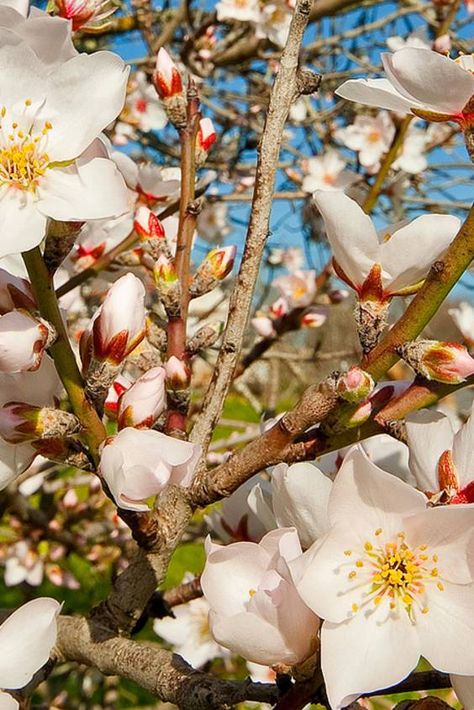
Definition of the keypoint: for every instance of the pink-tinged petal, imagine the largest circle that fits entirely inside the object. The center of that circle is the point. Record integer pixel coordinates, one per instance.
(84, 95)
(463, 686)
(433, 80)
(241, 565)
(14, 459)
(363, 494)
(374, 92)
(21, 224)
(26, 640)
(300, 495)
(283, 542)
(409, 253)
(374, 650)
(251, 637)
(93, 190)
(448, 533)
(463, 451)
(446, 630)
(351, 234)
(429, 434)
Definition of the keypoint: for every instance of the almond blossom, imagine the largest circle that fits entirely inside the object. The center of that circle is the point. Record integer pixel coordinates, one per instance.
(392, 579)
(421, 82)
(388, 263)
(137, 464)
(85, 14)
(370, 136)
(326, 172)
(440, 459)
(255, 610)
(274, 22)
(141, 404)
(26, 640)
(238, 10)
(236, 519)
(412, 157)
(46, 122)
(463, 316)
(298, 288)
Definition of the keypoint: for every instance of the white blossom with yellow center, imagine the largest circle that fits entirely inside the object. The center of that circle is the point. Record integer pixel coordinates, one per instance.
(393, 580)
(51, 163)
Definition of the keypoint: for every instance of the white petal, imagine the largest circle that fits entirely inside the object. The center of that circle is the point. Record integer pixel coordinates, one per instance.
(434, 81)
(26, 640)
(22, 226)
(463, 451)
(14, 459)
(366, 654)
(7, 702)
(375, 92)
(351, 234)
(85, 94)
(429, 434)
(259, 505)
(447, 629)
(409, 253)
(300, 499)
(94, 190)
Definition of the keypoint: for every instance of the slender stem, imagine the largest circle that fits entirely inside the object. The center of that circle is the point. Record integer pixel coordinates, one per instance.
(389, 158)
(61, 351)
(176, 331)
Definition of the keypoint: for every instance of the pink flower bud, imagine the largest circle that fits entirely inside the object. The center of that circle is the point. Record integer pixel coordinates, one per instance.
(206, 135)
(314, 318)
(354, 385)
(440, 361)
(178, 373)
(221, 261)
(85, 14)
(279, 308)
(23, 340)
(141, 405)
(140, 463)
(263, 326)
(164, 272)
(14, 293)
(147, 225)
(118, 387)
(166, 77)
(119, 325)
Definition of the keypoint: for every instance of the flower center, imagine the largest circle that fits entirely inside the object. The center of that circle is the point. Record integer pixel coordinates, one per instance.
(23, 160)
(393, 572)
(373, 136)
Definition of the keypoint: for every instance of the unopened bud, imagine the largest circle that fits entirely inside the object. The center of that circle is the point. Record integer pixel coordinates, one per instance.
(167, 285)
(147, 224)
(205, 139)
(279, 308)
(14, 293)
(178, 374)
(23, 341)
(371, 321)
(354, 385)
(21, 422)
(116, 389)
(204, 338)
(119, 325)
(314, 317)
(263, 326)
(169, 87)
(141, 405)
(440, 361)
(217, 264)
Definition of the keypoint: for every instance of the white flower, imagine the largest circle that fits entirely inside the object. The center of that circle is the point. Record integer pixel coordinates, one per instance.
(463, 316)
(387, 263)
(255, 608)
(46, 122)
(440, 459)
(23, 340)
(238, 10)
(189, 633)
(212, 223)
(393, 581)
(26, 640)
(139, 463)
(326, 172)
(237, 519)
(23, 565)
(299, 288)
(370, 136)
(274, 22)
(143, 108)
(418, 81)
(412, 158)
(415, 39)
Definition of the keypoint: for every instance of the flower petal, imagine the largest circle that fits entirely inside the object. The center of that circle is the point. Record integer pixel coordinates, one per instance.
(374, 653)
(463, 686)
(95, 190)
(351, 234)
(22, 226)
(434, 81)
(463, 448)
(26, 640)
(429, 434)
(408, 254)
(7, 702)
(374, 92)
